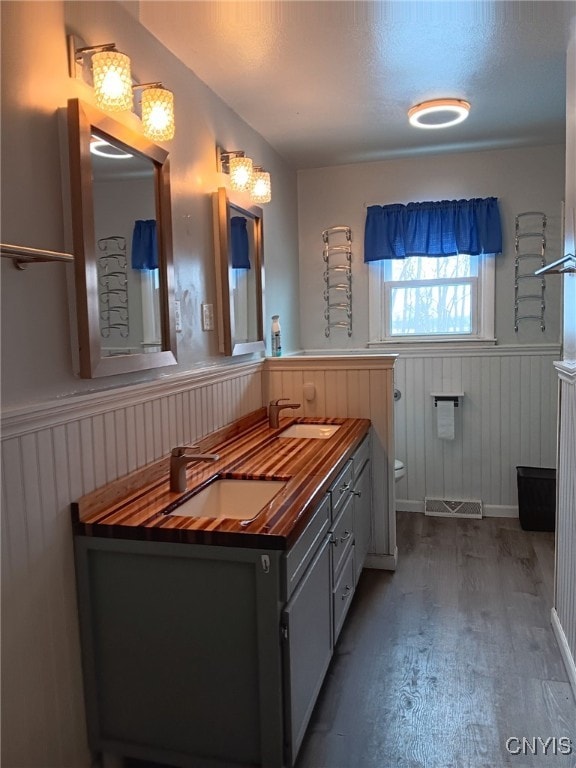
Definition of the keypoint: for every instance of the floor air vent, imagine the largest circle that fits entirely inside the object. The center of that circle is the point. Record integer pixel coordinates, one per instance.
(452, 508)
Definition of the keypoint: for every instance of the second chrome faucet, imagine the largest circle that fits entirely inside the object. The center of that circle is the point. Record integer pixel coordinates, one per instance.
(274, 409)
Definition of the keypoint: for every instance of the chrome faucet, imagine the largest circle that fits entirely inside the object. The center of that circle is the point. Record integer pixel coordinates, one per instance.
(274, 409)
(179, 460)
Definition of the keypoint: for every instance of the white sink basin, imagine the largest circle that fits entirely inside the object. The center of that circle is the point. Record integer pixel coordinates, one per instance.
(237, 499)
(316, 431)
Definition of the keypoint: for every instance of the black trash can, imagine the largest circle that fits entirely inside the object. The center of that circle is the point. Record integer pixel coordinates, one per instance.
(537, 498)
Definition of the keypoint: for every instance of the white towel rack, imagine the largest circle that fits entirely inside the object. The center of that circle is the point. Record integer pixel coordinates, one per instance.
(337, 255)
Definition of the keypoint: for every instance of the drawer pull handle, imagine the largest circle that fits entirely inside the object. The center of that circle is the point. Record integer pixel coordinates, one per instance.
(357, 493)
(344, 488)
(346, 536)
(347, 592)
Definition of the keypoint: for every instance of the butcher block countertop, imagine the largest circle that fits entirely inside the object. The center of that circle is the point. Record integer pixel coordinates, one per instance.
(134, 507)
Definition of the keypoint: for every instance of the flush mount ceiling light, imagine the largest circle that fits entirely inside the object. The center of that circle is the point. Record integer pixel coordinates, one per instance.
(103, 148)
(439, 113)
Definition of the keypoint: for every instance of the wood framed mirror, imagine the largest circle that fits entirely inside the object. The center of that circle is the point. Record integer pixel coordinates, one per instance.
(122, 242)
(239, 253)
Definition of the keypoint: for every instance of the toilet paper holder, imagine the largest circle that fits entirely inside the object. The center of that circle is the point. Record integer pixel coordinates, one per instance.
(452, 396)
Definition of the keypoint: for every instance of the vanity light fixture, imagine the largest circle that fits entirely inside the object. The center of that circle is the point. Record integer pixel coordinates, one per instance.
(439, 113)
(157, 111)
(239, 167)
(260, 188)
(111, 74)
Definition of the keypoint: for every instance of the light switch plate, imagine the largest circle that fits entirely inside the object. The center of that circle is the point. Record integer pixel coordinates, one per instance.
(207, 317)
(177, 316)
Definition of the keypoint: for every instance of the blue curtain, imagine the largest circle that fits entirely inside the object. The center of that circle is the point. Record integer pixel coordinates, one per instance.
(144, 245)
(442, 228)
(239, 243)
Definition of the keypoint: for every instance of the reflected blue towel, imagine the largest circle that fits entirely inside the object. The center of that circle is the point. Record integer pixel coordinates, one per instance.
(144, 245)
(239, 243)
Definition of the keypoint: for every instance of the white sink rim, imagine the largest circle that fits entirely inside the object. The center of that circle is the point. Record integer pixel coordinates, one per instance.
(231, 498)
(311, 431)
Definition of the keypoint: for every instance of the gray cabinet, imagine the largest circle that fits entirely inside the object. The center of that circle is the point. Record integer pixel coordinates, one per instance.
(198, 654)
(362, 493)
(307, 632)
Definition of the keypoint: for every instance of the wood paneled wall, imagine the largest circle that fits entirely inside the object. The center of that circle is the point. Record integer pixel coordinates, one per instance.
(350, 386)
(52, 454)
(506, 419)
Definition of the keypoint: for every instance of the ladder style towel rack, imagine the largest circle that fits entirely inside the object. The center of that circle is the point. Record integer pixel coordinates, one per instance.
(337, 255)
(22, 255)
(529, 288)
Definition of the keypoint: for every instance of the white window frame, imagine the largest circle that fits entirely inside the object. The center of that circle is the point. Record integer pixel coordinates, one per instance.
(484, 307)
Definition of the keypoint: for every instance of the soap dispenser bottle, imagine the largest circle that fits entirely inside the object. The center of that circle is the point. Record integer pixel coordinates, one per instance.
(276, 336)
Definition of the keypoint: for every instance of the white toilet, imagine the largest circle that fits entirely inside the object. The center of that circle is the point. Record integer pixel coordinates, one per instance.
(399, 470)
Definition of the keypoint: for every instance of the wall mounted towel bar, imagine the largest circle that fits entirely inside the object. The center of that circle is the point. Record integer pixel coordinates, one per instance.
(21, 255)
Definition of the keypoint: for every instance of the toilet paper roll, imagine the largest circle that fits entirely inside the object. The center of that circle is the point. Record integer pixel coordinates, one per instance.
(445, 419)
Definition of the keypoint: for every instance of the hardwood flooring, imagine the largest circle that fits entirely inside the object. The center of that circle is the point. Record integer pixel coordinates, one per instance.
(443, 661)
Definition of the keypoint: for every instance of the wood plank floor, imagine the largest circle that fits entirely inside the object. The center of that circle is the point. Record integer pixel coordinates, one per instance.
(444, 660)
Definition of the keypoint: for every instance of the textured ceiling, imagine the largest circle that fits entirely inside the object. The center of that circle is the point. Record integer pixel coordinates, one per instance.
(328, 83)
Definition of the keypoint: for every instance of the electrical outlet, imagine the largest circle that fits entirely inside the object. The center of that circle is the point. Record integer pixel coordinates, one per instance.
(207, 317)
(177, 316)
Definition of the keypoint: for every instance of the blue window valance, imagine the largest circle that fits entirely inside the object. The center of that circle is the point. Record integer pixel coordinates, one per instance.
(239, 243)
(442, 228)
(144, 245)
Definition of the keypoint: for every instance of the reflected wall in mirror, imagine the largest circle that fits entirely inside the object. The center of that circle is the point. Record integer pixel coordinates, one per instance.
(239, 275)
(122, 240)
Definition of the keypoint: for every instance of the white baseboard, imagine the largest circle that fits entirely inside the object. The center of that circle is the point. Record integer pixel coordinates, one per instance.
(488, 510)
(406, 505)
(496, 510)
(567, 656)
(382, 562)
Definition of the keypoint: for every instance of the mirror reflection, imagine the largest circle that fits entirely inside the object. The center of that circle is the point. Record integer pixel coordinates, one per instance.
(121, 221)
(127, 249)
(239, 269)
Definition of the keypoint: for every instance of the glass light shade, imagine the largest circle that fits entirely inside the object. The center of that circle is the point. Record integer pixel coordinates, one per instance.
(261, 190)
(112, 81)
(158, 114)
(240, 173)
(439, 113)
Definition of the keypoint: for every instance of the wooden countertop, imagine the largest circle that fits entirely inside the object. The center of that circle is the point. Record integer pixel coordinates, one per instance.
(134, 507)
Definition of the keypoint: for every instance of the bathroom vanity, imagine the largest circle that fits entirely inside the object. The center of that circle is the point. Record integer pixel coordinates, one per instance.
(206, 639)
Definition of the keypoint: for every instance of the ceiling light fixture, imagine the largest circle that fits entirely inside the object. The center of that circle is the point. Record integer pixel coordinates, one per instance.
(439, 113)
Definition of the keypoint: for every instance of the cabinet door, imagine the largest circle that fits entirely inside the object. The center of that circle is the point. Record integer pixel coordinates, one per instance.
(307, 632)
(362, 493)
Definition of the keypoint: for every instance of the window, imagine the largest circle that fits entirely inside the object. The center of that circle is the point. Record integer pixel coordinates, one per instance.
(424, 298)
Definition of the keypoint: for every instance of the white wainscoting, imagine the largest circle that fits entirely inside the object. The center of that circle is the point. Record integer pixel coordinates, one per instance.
(355, 386)
(506, 419)
(53, 453)
(564, 612)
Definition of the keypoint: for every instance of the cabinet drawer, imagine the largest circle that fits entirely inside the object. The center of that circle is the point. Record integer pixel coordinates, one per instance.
(361, 456)
(342, 594)
(340, 489)
(301, 553)
(342, 537)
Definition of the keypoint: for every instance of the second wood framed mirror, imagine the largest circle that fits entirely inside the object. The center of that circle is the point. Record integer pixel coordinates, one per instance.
(238, 245)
